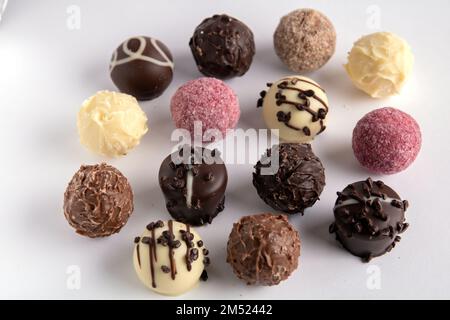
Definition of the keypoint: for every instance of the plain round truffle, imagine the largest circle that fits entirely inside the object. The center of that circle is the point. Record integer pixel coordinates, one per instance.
(295, 108)
(380, 64)
(142, 67)
(205, 107)
(305, 40)
(289, 177)
(263, 249)
(386, 140)
(98, 201)
(223, 47)
(193, 181)
(111, 123)
(170, 257)
(369, 216)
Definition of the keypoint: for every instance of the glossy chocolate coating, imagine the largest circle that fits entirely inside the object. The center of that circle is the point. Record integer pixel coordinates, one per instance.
(198, 200)
(223, 47)
(142, 67)
(369, 216)
(298, 181)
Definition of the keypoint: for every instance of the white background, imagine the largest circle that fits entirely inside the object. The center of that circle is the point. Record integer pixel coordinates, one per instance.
(47, 70)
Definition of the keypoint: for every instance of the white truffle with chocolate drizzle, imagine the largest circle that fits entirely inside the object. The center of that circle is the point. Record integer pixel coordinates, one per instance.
(169, 257)
(296, 107)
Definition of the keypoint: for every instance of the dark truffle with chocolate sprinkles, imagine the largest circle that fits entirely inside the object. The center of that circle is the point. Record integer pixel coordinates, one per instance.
(369, 216)
(223, 47)
(295, 182)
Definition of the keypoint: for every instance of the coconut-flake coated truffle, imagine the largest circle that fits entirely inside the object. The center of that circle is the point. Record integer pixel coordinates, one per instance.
(305, 40)
(380, 64)
(263, 249)
(206, 101)
(98, 201)
(297, 181)
(386, 140)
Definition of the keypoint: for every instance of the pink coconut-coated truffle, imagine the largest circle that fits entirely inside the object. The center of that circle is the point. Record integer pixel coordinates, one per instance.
(208, 100)
(386, 140)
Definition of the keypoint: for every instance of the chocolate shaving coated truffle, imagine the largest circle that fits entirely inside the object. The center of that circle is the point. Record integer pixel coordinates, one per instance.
(98, 200)
(263, 249)
(368, 218)
(298, 182)
(223, 47)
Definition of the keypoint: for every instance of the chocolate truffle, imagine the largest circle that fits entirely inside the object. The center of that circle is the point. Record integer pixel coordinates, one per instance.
(193, 181)
(223, 47)
(289, 177)
(98, 201)
(380, 64)
(170, 258)
(206, 107)
(263, 249)
(143, 67)
(296, 108)
(386, 140)
(305, 40)
(111, 123)
(369, 218)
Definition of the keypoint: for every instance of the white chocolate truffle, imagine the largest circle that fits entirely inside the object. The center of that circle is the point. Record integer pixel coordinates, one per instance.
(379, 64)
(169, 257)
(111, 123)
(296, 108)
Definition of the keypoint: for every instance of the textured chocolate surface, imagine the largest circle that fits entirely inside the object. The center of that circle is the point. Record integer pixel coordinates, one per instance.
(199, 199)
(263, 249)
(98, 200)
(369, 216)
(142, 67)
(223, 47)
(298, 182)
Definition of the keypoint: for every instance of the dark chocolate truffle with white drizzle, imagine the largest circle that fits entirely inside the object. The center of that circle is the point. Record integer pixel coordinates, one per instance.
(193, 181)
(289, 177)
(369, 216)
(170, 257)
(142, 67)
(296, 108)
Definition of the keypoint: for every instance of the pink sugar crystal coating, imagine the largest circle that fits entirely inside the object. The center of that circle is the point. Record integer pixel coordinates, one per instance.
(208, 100)
(386, 140)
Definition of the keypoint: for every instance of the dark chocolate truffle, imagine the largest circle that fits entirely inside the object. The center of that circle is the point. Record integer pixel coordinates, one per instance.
(98, 201)
(295, 182)
(142, 67)
(223, 47)
(193, 181)
(369, 218)
(263, 249)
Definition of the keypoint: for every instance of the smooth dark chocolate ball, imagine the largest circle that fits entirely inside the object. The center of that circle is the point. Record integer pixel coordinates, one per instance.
(223, 47)
(289, 177)
(193, 181)
(369, 216)
(142, 67)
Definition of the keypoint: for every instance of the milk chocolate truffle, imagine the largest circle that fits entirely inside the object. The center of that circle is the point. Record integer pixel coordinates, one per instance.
(223, 47)
(263, 249)
(170, 258)
(193, 181)
(296, 108)
(143, 67)
(305, 40)
(369, 216)
(98, 200)
(289, 177)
